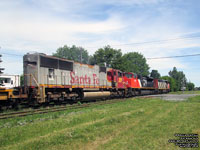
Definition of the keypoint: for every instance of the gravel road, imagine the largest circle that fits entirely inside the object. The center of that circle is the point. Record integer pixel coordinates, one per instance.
(174, 97)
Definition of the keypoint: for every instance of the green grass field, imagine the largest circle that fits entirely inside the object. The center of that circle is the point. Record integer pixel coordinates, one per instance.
(134, 124)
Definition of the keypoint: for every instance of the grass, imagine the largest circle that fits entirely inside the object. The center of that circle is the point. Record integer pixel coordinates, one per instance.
(144, 124)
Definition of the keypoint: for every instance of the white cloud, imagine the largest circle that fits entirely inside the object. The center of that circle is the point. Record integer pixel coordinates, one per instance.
(131, 2)
(43, 33)
(44, 26)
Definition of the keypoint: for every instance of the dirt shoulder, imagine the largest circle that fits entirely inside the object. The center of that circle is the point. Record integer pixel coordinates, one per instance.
(175, 97)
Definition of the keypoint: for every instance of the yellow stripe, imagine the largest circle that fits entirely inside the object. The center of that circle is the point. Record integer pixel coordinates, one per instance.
(3, 98)
(6, 90)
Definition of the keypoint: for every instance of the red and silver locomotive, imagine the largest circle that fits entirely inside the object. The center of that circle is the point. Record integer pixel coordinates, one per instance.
(48, 78)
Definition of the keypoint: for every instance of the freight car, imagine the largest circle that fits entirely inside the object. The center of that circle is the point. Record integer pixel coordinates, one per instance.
(48, 78)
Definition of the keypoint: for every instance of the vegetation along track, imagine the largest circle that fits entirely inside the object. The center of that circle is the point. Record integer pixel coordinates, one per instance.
(55, 109)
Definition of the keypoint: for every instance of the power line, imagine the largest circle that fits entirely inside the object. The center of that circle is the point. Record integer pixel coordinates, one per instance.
(156, 41)
(146, 58)
(11, 54)
(137, 43)
(175, 56)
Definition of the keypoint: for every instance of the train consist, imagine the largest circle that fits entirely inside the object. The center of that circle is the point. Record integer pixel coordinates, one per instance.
(48, 79)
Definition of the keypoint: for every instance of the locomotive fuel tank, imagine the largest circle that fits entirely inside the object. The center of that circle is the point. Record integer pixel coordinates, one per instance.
(92, 95)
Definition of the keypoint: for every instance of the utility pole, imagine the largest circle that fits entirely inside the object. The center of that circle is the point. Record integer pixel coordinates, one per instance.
(1, 71)
(81, 53)
(0, 62)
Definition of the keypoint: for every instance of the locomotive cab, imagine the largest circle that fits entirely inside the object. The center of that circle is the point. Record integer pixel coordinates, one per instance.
(116, 77)
(131, 80)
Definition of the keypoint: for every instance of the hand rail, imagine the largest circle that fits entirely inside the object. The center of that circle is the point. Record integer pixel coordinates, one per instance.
(32, 77)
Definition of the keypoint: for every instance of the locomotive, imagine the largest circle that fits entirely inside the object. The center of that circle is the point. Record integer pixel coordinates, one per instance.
(51, 79)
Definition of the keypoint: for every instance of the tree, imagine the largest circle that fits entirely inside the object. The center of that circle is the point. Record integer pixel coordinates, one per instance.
(77, 54)
(180, 78)
(107, 57)
(134, 62)
(22, 80)
(190, 86)
(155, 74)
(172, 82)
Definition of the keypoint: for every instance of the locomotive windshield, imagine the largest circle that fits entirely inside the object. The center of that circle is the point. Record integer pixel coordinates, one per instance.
(119, 74)
(128, 75)
(5, 80)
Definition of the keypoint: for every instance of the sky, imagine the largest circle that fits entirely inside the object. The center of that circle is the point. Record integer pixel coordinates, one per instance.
(154, 28)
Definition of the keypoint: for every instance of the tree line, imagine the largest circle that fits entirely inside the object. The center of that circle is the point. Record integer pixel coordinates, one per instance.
(130, 62)
(107, 57)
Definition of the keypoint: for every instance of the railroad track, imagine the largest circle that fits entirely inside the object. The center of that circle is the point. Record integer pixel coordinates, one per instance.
(61, 108)
(55, 109)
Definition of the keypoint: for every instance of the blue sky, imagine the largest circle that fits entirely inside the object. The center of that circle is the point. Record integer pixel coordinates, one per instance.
(43, 26)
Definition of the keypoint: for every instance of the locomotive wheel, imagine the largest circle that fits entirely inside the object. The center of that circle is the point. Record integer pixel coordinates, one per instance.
(14, 104)
(73, 98)
(1, 109)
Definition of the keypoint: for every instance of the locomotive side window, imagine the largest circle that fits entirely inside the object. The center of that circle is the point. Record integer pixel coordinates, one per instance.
(109, 74)
(51, 74)
(7, 80)
(126, 75)
(119, 74)
(1, 81)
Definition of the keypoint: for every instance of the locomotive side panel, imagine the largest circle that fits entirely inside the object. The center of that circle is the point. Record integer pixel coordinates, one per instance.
(104, 83)
(88, 76)
(54, 77)
(54, 71)
(162, 84)
(41, 70)
(85, 76)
